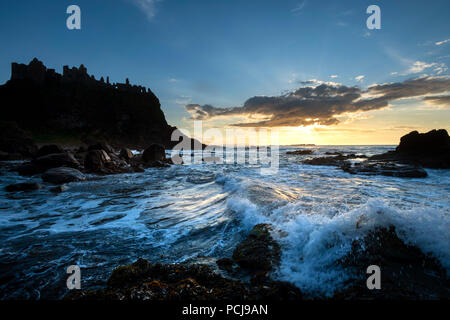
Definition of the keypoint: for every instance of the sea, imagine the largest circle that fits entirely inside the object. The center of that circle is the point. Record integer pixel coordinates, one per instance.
(199, 212)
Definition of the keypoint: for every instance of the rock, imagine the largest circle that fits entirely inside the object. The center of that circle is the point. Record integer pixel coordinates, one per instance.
(59, 189)
(14, 140)
(407, 273)
(28, 169)
(326, 161)
(55, 160)
(26, 186)
(433, 142)
(385, 169)
(63, 175)
(48, 149)
(101, 146)
(143, 280)
(5, 156)
(300, 152)
(259, 251)
(430, 150)
(225, 264)
(96, 160)
(154, 152)
(126, 154)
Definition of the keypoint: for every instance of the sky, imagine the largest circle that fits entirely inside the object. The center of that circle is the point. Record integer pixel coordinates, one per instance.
(310, 69)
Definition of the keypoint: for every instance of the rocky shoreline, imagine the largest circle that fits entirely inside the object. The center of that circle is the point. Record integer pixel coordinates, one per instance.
(415, 152)
(58, 166)
(407, 273)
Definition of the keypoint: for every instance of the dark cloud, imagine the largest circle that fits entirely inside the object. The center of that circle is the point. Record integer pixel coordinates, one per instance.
(442, 101)
(320, 104)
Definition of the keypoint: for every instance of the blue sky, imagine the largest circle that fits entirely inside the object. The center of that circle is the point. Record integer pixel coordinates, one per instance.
(222, 53)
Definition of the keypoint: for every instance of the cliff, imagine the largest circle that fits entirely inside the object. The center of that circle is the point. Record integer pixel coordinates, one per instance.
(76, 105)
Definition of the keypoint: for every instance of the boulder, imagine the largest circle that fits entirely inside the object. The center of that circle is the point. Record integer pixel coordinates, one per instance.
(432, 142)
(430, 150)
(96, 160)
(26, 186)
(126, 154)
(48, 149)
(259, 252)
(155, 152)
(406, 272)
(101, 146)
(55, 160)
(63, 175)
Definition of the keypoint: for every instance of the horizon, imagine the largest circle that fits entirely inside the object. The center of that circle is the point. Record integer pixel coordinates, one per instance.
(326, 79)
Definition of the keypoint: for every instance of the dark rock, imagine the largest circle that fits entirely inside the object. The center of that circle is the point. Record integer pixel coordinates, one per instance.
(259, 251)
(55, 160)
(63, 175)
(101, 146)
(76, 104)
(59, 189)
(385, 169)
(300, 152)
(29, 169)
(13, 139)
(96, 160)
(5, 156)
(26, 186)
(143, 280)
(225, 264)
(126, 154)
(154, 152)
(430, 150)
(433, 142)
(48, 149)
(406, 272)
(326, 161)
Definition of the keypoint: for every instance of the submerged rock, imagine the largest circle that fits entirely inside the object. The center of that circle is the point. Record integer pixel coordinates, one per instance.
(300, 152)
(62, 175)
(143, 280)
(259, 252)
(26, 186)
(385, 169)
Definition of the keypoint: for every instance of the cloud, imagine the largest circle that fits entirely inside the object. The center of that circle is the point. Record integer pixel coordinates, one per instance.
(334, 76)
(173, 80)
(439, 43)
(440, 101)
(146, 6)
(321, 104)
(419, 66)
(299, 7)
(359, 78)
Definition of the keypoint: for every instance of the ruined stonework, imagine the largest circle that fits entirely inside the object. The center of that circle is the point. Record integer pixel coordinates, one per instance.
(75, 105)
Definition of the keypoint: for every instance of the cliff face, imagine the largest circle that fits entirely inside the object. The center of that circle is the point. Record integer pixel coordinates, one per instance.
(77, 105)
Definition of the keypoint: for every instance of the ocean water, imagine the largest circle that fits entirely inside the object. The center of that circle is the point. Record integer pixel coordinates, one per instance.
(191, 212)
